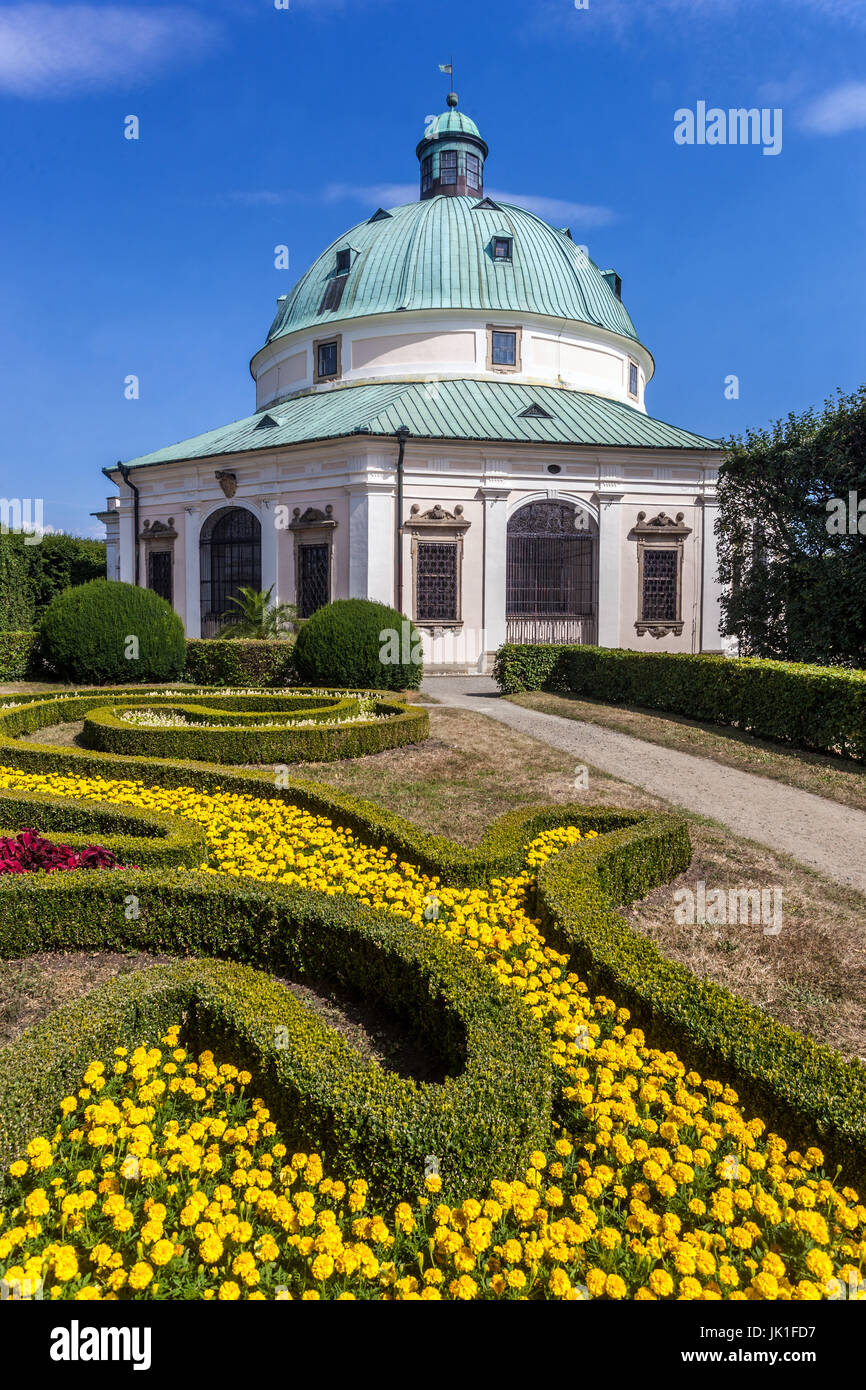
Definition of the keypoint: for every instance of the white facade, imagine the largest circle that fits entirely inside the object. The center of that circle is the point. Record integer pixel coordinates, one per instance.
(430, 347)
(509, 530)
(358, 482)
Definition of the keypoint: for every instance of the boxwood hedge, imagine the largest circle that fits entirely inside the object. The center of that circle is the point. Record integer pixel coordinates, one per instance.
(493, 1108)
(105, 631)
(141, 838)
(799, 1086)
(802, 1089)
(819, 708)
(210, 661)
(239, 740)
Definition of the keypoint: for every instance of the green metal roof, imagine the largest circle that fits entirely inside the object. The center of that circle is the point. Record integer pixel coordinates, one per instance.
(436, 254)
(459, 409)
(451, 122)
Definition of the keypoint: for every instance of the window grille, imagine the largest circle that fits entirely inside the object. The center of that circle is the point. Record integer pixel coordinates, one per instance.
(231, 557)
(436, 582)
(660, 574)
(159, 573)
(314, 578)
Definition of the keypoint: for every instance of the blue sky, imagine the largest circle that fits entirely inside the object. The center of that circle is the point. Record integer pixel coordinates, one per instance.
(261, 126)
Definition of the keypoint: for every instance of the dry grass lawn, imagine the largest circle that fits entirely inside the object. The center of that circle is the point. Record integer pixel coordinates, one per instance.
(838, 779)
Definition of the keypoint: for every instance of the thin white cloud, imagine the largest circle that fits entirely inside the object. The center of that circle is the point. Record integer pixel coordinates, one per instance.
(558, 210)
(386, 195)
(57, 50)
(782, 91)
(679, 16)
(837, 111)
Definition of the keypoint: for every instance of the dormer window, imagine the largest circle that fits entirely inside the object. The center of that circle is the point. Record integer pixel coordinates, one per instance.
(503, 247)
(344, 262)
(473, 171)
(427, 174)
(448, 167)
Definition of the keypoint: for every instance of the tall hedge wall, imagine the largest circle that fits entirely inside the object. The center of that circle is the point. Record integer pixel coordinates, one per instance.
(31, 575)
(819, 708)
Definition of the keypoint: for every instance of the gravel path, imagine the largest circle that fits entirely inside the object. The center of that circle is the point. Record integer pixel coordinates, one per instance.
(823, 834)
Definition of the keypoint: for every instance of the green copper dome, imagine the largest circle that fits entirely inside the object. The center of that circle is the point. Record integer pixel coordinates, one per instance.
(438, 254)
(451, 122)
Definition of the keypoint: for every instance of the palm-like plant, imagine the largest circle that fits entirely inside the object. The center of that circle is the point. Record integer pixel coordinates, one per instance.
(257, 617)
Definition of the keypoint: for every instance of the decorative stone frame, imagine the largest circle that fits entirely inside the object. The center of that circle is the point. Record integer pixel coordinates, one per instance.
(661, 532)
(518, 347)
(440, 526)
(320, 342)
(313, 527)
(158, 537)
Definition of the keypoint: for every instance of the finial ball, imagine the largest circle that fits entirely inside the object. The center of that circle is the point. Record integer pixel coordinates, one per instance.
(452, 98)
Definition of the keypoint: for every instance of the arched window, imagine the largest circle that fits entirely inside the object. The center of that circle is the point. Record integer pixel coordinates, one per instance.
(551, 574)
(231, 557)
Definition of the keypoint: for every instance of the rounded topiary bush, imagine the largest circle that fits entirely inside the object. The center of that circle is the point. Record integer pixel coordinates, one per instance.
(106, 632)
(356, 642)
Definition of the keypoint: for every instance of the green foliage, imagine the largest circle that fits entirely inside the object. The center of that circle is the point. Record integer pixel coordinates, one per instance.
(31, 575)
(492, 1111)
(242, 734)
(812, 707)
(517, 669)
(140, 838)
(256, 617)
(17, 607)
(64, 563)
(89, 633)
(239, 663)
(800, 1088)
(794, 589)
(19, 655)
(342, 644)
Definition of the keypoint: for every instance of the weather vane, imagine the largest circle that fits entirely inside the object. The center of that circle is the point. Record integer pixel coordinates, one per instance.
(449, 68)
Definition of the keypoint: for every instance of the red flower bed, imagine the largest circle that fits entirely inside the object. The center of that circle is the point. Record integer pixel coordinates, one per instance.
(29, 852)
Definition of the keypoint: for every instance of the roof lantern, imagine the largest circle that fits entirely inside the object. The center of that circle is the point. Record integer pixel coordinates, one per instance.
(452, 155)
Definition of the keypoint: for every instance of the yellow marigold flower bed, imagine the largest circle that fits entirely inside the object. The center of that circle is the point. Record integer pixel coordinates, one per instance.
(164, 1179)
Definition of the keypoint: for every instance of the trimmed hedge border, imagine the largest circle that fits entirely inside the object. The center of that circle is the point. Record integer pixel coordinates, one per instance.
(800, 1085)
(818, 708)
(209, 661)
(149, 839)
(240, 662)
(492, 1110)
(106, 732)
(795, 1085)
(500, 852)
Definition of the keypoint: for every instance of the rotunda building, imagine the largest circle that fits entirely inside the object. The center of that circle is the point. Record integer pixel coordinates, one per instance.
(450, 418)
